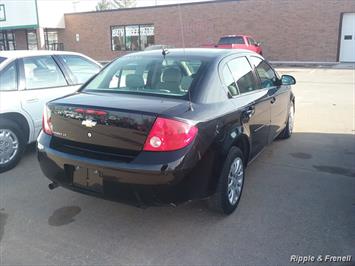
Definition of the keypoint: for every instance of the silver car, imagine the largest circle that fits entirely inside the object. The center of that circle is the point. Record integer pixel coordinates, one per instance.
(29, 79)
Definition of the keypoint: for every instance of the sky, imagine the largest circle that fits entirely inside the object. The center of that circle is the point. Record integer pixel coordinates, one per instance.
(89, 5)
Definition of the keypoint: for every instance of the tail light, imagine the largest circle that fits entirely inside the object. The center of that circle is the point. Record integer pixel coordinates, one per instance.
(46, 121)
(169, 135)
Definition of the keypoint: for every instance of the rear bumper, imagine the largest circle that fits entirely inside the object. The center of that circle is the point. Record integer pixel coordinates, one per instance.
(167, 177)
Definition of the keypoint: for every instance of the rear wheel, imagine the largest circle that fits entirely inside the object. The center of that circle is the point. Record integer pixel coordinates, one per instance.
(230, 183)
(12, 144)
(287, 131)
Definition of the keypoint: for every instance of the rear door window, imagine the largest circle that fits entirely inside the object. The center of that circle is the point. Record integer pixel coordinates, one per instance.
(81, 68)
(42, 72)
(8, 78)
(229, 81)
(243, 74)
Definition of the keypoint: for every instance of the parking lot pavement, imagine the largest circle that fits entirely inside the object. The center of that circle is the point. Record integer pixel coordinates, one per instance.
(299, 199)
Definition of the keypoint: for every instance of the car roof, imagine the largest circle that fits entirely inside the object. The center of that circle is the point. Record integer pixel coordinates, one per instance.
(26, 53)
(203, 52)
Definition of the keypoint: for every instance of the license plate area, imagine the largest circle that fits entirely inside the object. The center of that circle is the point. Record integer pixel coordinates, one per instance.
(88, 179)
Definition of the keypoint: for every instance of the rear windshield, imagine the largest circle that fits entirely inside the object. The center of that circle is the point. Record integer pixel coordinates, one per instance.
(231, 40)
(172, 76)
(2, 59)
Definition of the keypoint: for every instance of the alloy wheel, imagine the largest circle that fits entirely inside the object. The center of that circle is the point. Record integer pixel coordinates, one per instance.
(9, 145)
(235, 180)
(291, 119)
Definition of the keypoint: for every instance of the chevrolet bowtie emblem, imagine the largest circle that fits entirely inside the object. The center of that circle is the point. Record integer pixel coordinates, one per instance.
(89, 123)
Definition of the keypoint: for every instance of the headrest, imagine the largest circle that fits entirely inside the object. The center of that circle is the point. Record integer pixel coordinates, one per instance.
(40, 73)
(172, 75)
(134, 81)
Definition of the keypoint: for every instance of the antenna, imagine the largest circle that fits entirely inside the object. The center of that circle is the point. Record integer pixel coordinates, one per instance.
(164, 52)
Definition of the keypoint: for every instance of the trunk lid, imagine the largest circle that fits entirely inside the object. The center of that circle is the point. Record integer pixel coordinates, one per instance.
(107, 123)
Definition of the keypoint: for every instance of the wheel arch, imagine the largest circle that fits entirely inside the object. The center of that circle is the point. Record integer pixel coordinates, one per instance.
(243, 143)
(293, 100)
(20, 120)
(240, 141)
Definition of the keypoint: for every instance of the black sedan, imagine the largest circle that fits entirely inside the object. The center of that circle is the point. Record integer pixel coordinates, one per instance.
(164, 127)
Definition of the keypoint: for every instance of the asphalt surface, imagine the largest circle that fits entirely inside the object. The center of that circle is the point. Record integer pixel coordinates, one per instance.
(298, 199)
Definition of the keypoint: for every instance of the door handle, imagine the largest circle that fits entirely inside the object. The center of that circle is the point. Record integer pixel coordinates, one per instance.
(33, 100)
(248, 113)
(273, 100)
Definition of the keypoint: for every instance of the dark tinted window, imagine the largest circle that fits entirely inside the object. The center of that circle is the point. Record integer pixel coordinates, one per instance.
(148, 75)
(243, 74)
(229, 81)
(231, 40)
(8, 78)
(266, 74)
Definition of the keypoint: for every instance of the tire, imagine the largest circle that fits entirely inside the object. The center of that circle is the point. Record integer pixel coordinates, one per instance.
(10, 156)
(221, 200)
(287, 131)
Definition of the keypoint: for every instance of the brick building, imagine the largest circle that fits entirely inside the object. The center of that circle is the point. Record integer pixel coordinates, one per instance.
(290, 30)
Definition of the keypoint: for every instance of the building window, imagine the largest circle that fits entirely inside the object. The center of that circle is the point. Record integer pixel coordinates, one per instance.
(146, 36)
(2, 13)
(32, 40)
(132, 37)
(7, 40)
(51, 40)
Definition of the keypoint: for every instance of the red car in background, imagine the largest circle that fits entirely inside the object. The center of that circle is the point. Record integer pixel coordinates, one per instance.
(237, 42)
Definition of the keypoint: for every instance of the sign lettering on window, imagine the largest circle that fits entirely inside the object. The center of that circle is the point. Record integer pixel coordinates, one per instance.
(132, 31)
(118, 32)
(132, 37)
(147, 30)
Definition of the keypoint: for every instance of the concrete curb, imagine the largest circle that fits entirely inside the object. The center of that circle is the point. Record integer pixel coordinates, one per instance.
(309, 64)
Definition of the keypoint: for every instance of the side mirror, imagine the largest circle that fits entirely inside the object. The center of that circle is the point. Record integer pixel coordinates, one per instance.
(288, 80)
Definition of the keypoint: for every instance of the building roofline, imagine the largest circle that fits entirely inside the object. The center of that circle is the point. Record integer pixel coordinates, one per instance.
(152, 7)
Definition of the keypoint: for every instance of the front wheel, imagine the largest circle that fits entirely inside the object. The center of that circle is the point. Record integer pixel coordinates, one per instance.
(12, 145)
(287, 131)
(230, 183)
